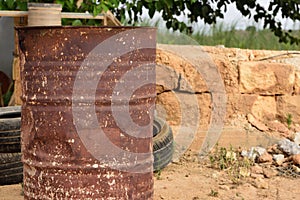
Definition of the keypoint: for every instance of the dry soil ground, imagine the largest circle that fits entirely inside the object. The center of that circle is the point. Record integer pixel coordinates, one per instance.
(192, 178)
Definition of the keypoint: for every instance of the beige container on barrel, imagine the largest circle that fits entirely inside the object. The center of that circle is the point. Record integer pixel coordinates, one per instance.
(44, 14)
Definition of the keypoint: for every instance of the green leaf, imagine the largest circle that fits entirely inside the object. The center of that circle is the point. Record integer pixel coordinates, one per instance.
(77, 22)
(6, 97)
(97, 9)
(11, 4)
(104, 8)
(22, 6)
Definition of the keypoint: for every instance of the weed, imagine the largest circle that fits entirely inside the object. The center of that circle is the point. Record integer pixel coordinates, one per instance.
(157, 174)
(226, 159)
(289, 120)
(213, 193)
(22, 192)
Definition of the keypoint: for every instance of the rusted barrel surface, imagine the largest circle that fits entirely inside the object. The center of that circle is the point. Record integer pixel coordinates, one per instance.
(63, 154)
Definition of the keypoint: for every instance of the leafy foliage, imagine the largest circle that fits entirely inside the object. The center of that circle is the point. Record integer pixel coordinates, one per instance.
(194, 10)
(211, 10)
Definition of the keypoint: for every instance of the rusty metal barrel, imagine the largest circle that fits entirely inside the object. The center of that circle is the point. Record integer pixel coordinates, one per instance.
(88, 96)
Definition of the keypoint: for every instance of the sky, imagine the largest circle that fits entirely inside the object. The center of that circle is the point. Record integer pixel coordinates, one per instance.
(233, 16)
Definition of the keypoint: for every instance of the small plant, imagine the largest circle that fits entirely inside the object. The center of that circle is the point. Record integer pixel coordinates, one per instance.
(22, 192)
(289, 120)
(213, 193)
(5, 98)
(157, 174)
(226, 159)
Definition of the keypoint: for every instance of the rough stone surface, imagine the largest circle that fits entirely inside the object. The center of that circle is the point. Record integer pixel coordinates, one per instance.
(279, 159)
(264, 108)
(194, 108)
(296, 159)
(288, 105)
(266, 157)
(256, 169)
(266, 78)
(184, 76)
(256, 83)
(278, 127)
(297, 82)
(297, 138)
(244, 102)
(269, 172)
(261, 183)
(289, 147)
(260, 126)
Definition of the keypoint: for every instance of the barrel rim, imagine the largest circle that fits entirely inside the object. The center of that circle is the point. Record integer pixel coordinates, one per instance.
(33, 5)
(85, 27)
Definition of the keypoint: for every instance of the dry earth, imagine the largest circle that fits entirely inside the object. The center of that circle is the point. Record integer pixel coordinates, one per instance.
(192, 178)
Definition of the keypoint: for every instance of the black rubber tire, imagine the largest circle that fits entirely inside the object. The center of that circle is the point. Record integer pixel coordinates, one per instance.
(163, 144)
(10, 134)
(11, 168)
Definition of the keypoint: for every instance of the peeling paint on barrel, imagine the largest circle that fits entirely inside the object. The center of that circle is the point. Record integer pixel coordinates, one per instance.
(57, 165)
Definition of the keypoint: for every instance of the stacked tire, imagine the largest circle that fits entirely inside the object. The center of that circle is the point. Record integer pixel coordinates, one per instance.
(11, 167)
(163, 144)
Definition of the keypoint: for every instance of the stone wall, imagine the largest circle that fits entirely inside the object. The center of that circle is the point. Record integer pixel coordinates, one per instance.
(262, 87)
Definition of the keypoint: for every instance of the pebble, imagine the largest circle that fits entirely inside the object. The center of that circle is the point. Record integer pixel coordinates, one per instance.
(266, 157)
(261, 183)
(256, 169)
(224, 187)
(289, 147)
(253, 152)
(279, 159)
(269, 172)
(297, 138)
(296, 159)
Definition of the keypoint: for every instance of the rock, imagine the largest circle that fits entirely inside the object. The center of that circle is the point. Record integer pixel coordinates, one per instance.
(296, 169)
(224, 187)
(296, 159)
(278, 127)
(253, 153)
(297, 82)
(279, 159)
(264, 108)
(274, 149)
(259, 150)
(289, 147)
(260, 183)
(266, 157)
(269, 172)
(287, 104)
(260, 126)
(266, 78)
(257, 175)
(256, 169)
(297, 138)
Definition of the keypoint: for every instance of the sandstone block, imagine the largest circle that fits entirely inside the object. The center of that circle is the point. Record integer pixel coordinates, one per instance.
(264, 108)
(184, 108)
(183, 75)
(289, 105)
(266, 78)
(297, 82)
(260, 126)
